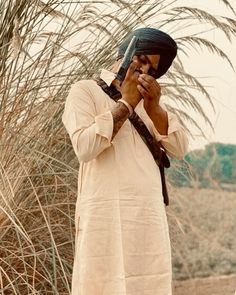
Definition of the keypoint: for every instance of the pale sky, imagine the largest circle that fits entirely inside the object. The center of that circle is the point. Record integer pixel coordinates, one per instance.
(222, 79)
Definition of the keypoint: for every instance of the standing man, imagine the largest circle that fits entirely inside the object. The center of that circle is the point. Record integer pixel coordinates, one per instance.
(122, 238)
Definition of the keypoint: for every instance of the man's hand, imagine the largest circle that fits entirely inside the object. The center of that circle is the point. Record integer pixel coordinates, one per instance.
(129, 90)
(151, 93)
(150, 90)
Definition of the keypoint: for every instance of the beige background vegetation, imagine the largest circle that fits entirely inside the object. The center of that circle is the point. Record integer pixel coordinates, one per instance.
(47, 45)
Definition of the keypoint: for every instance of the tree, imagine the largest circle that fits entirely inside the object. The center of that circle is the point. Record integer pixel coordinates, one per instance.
(211, 167)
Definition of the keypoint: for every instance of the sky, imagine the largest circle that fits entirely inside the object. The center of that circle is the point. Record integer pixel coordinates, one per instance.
(222, 86)
(222, 81)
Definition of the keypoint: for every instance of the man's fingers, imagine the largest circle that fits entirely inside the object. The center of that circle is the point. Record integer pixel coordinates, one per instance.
(143, 91)
(133, 66)
(147, 78)
(145, 84)
(148, 82)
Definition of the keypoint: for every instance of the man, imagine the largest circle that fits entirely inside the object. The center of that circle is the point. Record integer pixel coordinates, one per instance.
(122, 239)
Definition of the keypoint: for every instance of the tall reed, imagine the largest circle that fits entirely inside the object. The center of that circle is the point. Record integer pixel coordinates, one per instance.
(46, 46)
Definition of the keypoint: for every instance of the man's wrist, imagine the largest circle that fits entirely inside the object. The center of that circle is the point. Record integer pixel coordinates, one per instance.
(128, 105)
(151, 107)
(120, 114)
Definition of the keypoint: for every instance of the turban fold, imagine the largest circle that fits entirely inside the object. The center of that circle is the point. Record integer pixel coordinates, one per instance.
(151, 42)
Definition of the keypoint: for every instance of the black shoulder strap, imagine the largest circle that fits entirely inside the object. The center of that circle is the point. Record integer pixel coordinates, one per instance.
(153, 145)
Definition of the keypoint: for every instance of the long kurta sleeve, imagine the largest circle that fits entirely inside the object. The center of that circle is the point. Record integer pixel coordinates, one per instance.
(90, 133)
(175, 142)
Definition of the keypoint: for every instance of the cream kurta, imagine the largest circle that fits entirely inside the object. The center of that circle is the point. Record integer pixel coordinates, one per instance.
(122, 239)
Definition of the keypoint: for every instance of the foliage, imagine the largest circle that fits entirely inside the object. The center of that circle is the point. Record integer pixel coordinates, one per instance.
(211, 167)
(44, 48)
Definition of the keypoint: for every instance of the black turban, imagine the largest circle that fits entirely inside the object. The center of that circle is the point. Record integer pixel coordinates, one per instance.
(152, 41)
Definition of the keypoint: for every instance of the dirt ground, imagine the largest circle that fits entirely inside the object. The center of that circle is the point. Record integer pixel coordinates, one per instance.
(223, 285)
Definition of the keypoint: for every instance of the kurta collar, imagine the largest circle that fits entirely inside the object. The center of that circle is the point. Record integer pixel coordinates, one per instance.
(107, 76)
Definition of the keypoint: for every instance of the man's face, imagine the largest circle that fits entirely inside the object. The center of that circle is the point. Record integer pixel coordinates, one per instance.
(147, 64)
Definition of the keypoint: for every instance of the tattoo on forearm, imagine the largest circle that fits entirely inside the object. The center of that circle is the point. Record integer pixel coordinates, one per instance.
(120, 113)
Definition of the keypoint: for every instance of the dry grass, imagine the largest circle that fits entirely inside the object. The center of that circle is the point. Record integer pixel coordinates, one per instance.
(44, 47)
(202, 226)
(217, 285)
